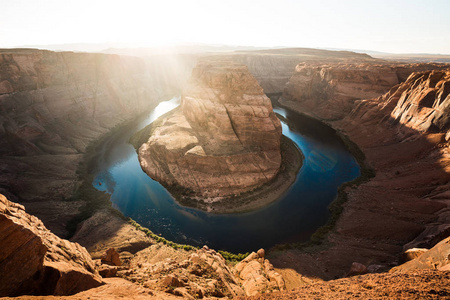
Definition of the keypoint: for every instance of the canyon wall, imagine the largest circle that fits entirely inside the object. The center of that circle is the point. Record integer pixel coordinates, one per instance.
(224, 140)
(273, 68)
(332, 89)
(404, 136)
(51, 106)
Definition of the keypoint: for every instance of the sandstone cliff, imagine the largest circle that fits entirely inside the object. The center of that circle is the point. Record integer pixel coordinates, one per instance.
(224, 140)
(273, 68)
(403, 136)
(332, 89)
(424, 103)
(34, 261)
(52, 106)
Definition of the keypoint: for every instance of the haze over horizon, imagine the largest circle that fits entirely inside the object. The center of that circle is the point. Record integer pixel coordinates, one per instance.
(387, 26)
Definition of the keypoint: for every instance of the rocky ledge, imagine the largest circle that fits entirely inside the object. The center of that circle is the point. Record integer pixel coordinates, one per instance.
(36, 261)
(224, 139)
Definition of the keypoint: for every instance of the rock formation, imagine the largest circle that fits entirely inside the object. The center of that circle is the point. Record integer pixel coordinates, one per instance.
(334, 88)
(204, 273)
(274, 67)
(405, 205)
(437, 257)
(423, 103)
(33, 261)
(224, 140)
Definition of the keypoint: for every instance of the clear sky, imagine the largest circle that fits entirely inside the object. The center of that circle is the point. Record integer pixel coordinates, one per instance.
(397, 26)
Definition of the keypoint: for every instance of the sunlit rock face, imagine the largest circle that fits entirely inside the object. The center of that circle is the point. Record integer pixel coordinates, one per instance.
(222, 141)
(329, 91)
(424, 102)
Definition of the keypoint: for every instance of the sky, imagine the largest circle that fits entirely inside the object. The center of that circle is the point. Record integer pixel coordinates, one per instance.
(395, 26)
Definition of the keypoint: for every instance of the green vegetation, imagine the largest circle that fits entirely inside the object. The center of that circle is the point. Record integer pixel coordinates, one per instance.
(158, 238)
(231, 257)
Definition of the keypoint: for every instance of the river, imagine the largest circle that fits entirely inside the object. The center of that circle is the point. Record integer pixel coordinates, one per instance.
(293, 217)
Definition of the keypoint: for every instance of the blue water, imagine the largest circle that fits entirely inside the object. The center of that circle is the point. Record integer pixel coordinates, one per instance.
(294, 217)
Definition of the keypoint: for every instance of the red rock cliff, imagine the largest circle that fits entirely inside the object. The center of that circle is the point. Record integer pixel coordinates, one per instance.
(332, 89)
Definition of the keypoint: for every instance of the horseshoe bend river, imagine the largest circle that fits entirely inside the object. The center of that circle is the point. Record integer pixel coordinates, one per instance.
(293, 217)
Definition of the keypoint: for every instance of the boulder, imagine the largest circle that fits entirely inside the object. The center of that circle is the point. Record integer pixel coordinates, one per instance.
(257, 275)
(107, 271)
(413, 253)
(357, 269)
(261, 253)
(111, 257)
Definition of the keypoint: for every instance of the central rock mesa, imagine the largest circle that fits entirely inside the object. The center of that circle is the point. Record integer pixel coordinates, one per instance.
(223, 140)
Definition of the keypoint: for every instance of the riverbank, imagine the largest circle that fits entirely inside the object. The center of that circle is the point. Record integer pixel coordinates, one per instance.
(93, 199)
(336, 207)
(379, 216)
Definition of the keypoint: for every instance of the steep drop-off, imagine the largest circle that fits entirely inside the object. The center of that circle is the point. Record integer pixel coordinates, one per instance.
(403, 135)
(34, 261)
(51, 106)
(224, 140)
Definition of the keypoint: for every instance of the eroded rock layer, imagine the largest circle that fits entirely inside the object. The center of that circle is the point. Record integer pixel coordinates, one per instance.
(52, 105)
(333, 88)
(404, 136)
(224, 139)
(35, 261)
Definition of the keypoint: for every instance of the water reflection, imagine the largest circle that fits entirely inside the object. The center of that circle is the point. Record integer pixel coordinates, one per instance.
(295, 216)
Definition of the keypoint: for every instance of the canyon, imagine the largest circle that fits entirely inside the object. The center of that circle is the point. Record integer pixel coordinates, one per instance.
(397, 114)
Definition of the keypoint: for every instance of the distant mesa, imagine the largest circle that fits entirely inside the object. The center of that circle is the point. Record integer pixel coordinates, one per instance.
(223, 140)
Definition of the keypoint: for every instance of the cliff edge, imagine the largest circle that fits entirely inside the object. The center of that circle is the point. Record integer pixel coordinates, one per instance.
(34, 261)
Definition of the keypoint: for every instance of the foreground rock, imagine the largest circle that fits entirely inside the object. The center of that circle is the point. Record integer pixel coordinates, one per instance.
(223, 141)
(203, 273)
(437, 257)
(35, 261)
(425, 284)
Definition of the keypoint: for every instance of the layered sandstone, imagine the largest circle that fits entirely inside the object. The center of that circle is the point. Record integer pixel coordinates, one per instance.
(332, 89)
(35, 261)
(224, 140)
(53, 104)
(405, 205)
(424, 102)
